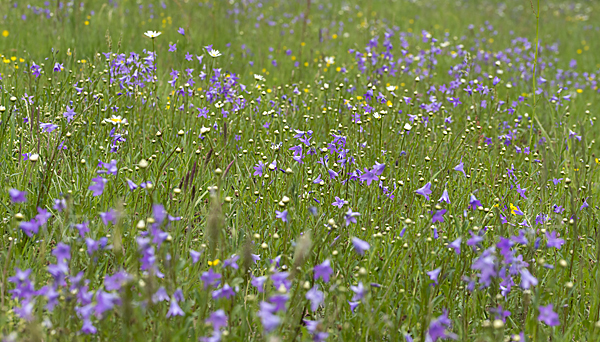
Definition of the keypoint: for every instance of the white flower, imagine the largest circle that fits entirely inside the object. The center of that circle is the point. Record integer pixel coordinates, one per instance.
(214, 53)
(391, 88)
(152, 34)
(116, 120)
(204, 130)
(330, 60)
(259, 77)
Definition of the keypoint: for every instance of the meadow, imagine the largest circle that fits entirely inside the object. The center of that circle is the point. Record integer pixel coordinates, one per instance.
(268, 170)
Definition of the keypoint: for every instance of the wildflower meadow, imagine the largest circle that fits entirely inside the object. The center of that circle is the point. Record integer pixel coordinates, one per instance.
(307, 170)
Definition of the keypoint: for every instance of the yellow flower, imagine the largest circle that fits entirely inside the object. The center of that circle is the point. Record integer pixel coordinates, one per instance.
(513, 209)
(5, 33)
(86, 23)
(597, 161)
(214, 263)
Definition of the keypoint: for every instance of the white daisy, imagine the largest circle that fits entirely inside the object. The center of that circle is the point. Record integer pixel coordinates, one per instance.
(116, 120)
(152, 34)
(330, 60)
(214, 53)
(259, 77)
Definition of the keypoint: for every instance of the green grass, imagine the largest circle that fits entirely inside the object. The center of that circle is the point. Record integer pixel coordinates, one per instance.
(207, 177)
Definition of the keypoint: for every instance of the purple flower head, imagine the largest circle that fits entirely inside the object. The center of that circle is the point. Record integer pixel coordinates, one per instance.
(17, 196)
(584, 205)
(323, 271)
(195, 256)
(486, 266)
(553, 241)
(283, 215)
(116, 281)
(225, 292)
(105, 301)
(445, 197)
(60, 204)
(500, 313)
(280, 301)
(438, 328)
(181, 31)
(210, 278)
(30, 227)
(269, 320)
(160, 295)
(378, 168)
(109, 216)
(339, 202)
(131, 184)
(456, 245)
(474, 202)
(353, 305)
(259, 283)
(98, 187)
(527, 280)
(88, 328)
(350, 216)
(360, 246)
(217, 319)
(369, 176)
(159, 213)
(174, 309)
(24, 288)
(438, 216)
(280, 280)
(110, 168)
(62, 252)
(82, 228)
(48, 127)
(255, 257)
(548, 316)
(232, 262)
(359, 291)
(25, 311)
(315, 297)
(460, 168)
(433, 275)
(425, 190)
(69, 114)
